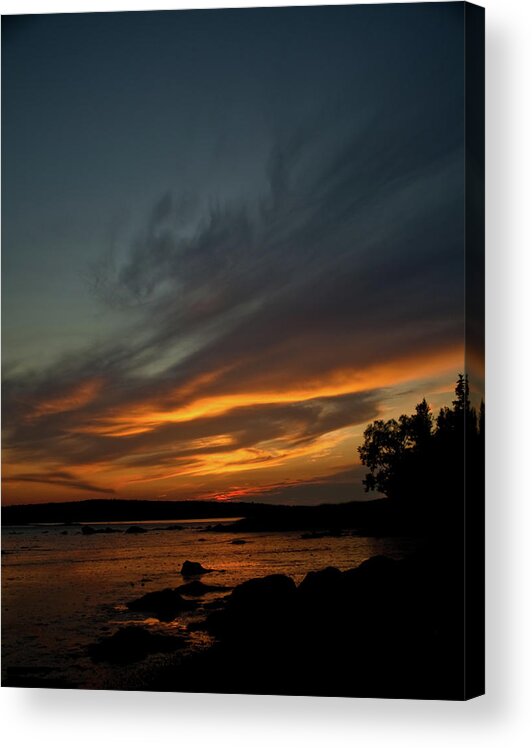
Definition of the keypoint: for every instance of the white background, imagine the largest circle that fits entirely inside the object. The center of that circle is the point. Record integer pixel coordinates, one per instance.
(504, 716)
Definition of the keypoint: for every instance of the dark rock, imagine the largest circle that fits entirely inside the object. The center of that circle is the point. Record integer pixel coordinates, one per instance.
(198, 588)
(378, 570)
(164, 604)
(135, 530)
(255, 608)
(264, 591)
(321, 586)
(238, 541)
(132, 644)
(193, 569)
(174, 527)
(218, 527)
(87, 530)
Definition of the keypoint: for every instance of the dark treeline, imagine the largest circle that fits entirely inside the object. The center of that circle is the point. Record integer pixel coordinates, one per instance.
(255, 516)
(428, 464)
(118, 510)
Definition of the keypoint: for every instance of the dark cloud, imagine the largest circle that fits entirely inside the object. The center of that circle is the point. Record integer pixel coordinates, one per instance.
(59, 478)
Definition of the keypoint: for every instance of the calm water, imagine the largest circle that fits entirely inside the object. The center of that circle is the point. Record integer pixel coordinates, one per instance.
(61, 592)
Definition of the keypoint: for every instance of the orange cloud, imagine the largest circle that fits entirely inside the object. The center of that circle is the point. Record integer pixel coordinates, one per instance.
(144, 418)
(77, 397)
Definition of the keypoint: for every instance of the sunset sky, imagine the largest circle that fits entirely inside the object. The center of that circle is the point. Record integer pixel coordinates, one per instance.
(230, 240)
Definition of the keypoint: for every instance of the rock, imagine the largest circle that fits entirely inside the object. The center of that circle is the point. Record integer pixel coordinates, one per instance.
(238, 541)
(377, 570)
(87, 530)
(135, 530)
(131, 644)
(255, 608)
(377, 589)
(197, 588)
(164, 604)
(194, 569)
(321, 586)
(174, 527)
(264, 591)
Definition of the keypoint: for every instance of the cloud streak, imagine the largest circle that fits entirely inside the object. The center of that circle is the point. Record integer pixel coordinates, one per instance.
(63, 479)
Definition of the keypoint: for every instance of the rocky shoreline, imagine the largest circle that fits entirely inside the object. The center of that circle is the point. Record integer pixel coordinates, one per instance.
(387, 628)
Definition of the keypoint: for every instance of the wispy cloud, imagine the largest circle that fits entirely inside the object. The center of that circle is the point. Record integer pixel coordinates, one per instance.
(58, 478)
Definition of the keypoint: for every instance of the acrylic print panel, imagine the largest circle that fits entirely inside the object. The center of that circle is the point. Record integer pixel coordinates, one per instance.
(243, 351)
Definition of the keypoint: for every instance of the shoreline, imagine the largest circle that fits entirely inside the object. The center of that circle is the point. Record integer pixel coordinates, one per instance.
(361, 621)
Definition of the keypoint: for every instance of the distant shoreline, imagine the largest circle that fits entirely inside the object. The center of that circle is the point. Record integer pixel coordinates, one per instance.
(374, 517)
(132, 522)
(120, 510)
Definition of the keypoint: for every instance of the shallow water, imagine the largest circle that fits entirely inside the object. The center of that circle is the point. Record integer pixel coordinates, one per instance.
(61, 592)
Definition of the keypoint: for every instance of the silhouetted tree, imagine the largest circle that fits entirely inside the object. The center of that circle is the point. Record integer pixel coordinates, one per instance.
(412, 456)
(461, 391)
(385, 443)
(421, 426)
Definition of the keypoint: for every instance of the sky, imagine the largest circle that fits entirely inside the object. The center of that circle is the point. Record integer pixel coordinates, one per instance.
(230, 240)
